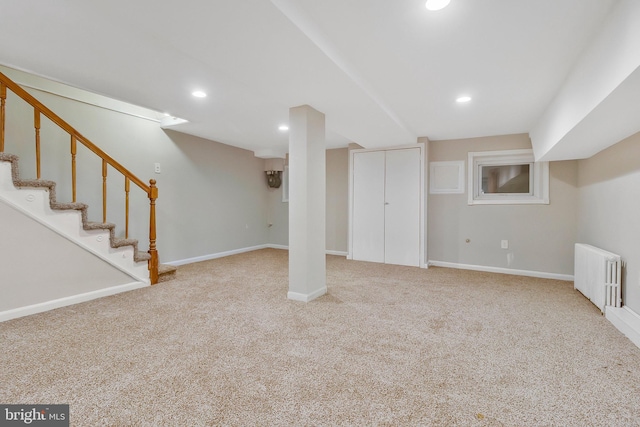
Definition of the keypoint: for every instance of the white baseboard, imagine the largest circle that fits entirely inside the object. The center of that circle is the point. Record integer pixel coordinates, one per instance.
(626, 321)
(63, 302)
(238, 251)
(296, 296)
(283, 247)
(328, 251)
(216, 255)
(540, 274)
(338, 253)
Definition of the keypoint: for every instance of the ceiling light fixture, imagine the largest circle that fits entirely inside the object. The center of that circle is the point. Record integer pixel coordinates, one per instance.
(199, 94)
(283, 128)
(463, 99)
(436, 4)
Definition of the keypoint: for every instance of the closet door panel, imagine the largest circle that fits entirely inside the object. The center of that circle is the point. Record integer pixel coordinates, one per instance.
(402, 207)
(368, 206)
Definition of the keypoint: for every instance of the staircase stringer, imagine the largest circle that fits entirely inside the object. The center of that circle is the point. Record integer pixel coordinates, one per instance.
(108, 163)
(36, 199)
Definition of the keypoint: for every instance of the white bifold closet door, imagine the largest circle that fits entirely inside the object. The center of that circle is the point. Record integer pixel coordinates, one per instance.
(368, 206)
(386, 206)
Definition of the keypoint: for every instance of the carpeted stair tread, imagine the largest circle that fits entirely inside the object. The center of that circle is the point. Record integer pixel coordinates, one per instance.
(140, 256)
(13, 159)
(8, 157)
(166, 272)
(118, 242)
(68, 206)
(36, 183)
(92, 225)
(166, 269)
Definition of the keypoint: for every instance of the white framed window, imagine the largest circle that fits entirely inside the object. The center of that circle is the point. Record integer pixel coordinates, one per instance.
(507, 177)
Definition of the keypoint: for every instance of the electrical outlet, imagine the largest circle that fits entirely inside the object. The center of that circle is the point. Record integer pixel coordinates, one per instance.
(504, 244)
(156, 167)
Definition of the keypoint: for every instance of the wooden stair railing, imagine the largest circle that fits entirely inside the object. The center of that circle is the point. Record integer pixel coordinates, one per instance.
(40, 109)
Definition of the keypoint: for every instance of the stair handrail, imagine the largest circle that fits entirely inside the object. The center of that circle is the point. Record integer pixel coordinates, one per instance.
(151, 190)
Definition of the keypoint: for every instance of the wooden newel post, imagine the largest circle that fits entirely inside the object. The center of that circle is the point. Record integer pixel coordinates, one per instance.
(153, 262)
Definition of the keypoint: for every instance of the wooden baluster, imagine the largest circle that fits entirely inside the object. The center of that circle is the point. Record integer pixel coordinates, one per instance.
(126, 207)
(3, 97)
(36, 124)
(73, 167)
(104, 191)
(153, 262)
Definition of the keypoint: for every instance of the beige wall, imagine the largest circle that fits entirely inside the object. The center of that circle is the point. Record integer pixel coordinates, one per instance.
(212, 197)
(337, 199)
(39, 265)
(217, 196)
(337, 163)
(278, 217)
(609, 203)
(540, 237)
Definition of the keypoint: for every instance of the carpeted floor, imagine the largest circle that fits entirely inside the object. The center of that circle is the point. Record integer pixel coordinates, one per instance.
(387, 346)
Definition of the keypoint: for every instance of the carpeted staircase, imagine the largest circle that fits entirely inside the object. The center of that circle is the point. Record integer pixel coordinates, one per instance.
(166, 272)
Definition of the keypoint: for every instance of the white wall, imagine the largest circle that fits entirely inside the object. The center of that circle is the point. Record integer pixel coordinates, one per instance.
(541, 237)
(595, 107)
(608, 204)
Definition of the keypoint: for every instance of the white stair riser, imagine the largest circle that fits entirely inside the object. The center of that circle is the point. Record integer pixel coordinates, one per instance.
(34, 202)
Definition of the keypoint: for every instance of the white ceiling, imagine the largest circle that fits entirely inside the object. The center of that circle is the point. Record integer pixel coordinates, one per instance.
(383, 72)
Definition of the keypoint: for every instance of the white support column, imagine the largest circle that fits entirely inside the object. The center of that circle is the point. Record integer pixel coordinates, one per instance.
(307, 194)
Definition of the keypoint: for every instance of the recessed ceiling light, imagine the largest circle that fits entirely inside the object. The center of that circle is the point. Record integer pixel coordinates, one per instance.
(283, 128)
(463, 99)
(437, 4)
(199, 94)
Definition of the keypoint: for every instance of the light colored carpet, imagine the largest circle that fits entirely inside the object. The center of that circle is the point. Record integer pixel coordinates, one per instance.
(388, 346)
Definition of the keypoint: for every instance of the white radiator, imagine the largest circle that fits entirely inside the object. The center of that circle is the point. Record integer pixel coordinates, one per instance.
(597, 275)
